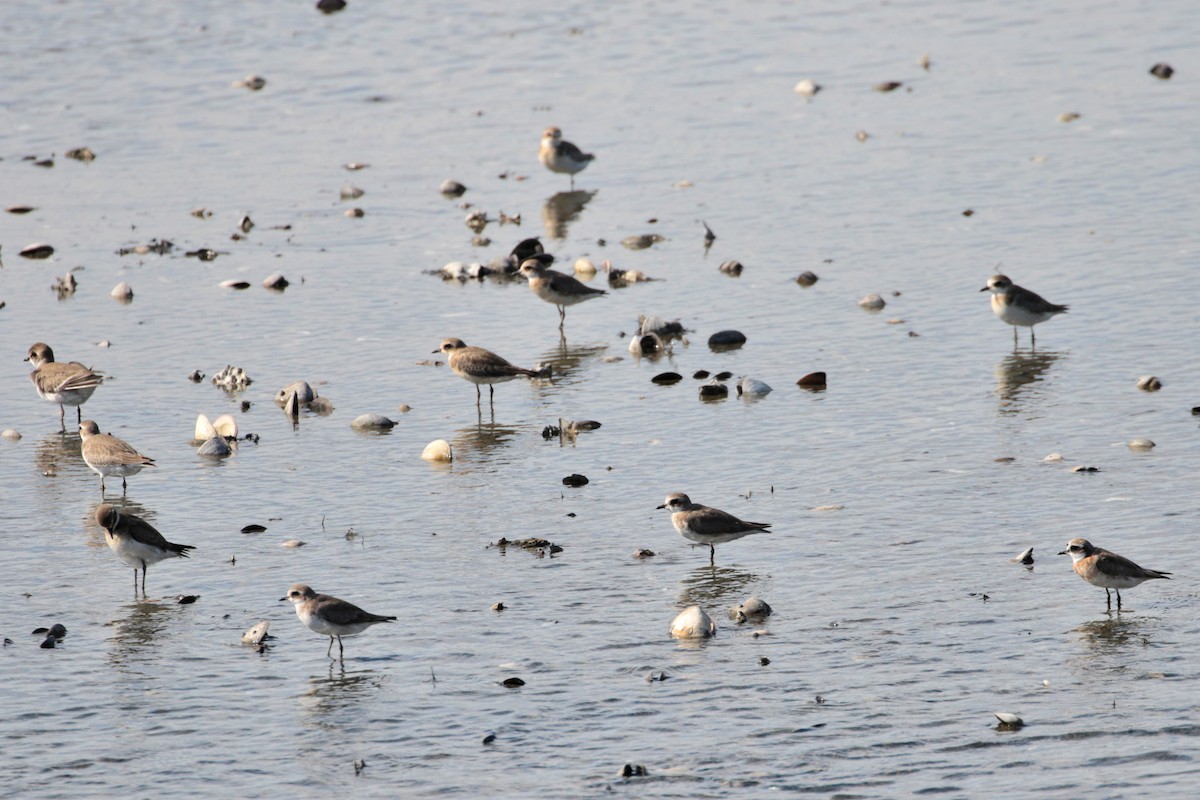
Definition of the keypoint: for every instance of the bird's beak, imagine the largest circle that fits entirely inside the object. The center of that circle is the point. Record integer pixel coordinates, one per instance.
(662, 506)
(282, 599)
(984, 289)
(1063, 553)
(437, 351)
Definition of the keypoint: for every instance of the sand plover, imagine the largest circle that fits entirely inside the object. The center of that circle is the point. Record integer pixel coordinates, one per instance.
(109, 456)
(557, 288)
(1018, 306)
(481, 366)
(705, 525)
(68, 384)
(557, 155)
(136, 541)
(1101, 567)
(330, 616)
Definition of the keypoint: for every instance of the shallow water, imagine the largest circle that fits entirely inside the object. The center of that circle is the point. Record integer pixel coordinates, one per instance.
(879, 598)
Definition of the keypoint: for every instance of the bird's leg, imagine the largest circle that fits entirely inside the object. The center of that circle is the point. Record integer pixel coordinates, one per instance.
(712, 555)
(1118, 599)
(572, 183)
(62, 417)
(102, 486)
(135, 582)
(329, 650)
(79, 414)
(124, 485)
(1015, 340)
(341, 650)
(1032, 338)
(143, 578)
(1108, 594)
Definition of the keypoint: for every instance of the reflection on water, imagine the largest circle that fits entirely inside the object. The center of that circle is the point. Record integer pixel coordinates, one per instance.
(710, 585)
(1018, 370)
(483, 439)
(1113, 633)
(568, 361)
(561, 209)
(138, 630)
(337, 691)
(60, 452)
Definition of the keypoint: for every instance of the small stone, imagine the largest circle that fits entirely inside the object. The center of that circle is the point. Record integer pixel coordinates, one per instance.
(292, 543)
(122, 293)
(575, 479)
(584, 267)
(752, 608)
(731, 267)
(693, 623)
(81, 154)
(254, 527)
(1141, 444)
(1149, 383)
(330, 6)
(667, 378)
(752, 387)
(498, 606)
(1068, 116)
(726, 340)
(372, 422)
(257, 633)
(763, 661)
(438, 450)
(512, 683)
(872, 302)
(20, 209)
(36, 251)
(862, 136)
(215, 447)
(806, 278)
(350, 193)
(354, 212)
(186, 599)
(10, 434)
(1053, 458)
(488, 739)
(888, 86)
(643, 553)
(1163, 71)
(713, 390)
(275, 282)
(452, 188)
(806, 88)
(813, 380)
(233, 283)
(252, 82)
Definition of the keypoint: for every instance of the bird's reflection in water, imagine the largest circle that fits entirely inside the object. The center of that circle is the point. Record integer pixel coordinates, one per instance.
(481, 441)
(710, 585)
(137, 633)
(567, 361)
(1016, 376)
(60, 453)
(1113, 633)
(561, 209)
(334, 700)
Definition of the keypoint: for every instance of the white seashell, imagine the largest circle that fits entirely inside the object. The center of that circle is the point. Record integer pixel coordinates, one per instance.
(750, 608)
(584, 267)
(693, 623)
(438, 450)
(806, 88)
(872, 302)
(205, 430)
(293, 543)
(1149, 383)
(454, 270)
(1009, 720)
(122, 292)
(1053, 458)
(275, 281)
(232, 378)
(1024, 557)
(646, 344)
(305, 394)
(752, 387)
(1141, 444)
(216, 446)
(11, 435)
(635, 276)
(257, 633)
(226, 426)
(234, 283)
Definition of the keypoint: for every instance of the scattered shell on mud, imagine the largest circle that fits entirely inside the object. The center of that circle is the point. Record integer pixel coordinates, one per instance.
(726, 340)
(438, 450)
(752, 608)
(257, 633)
(813, 380)
(37, 251)
(807, 278)
(275, 282)
(122, 293)
(232, 378)
(693, 623)
(806, 88)
(1149, 383)
(752, 387)
(372, 422)
(872, 302)
(1141, 444)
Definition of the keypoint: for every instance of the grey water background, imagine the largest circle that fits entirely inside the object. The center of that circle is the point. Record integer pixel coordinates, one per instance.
(690, 111)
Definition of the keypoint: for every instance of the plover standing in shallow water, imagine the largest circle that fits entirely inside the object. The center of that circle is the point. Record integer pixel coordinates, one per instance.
(1101, 567)
(557, 155)
(557, 288)
(137, 542)
(705, 525)
(330, 616)
(68, 384)
(109, 456)
(1019, 306)
(480, 366)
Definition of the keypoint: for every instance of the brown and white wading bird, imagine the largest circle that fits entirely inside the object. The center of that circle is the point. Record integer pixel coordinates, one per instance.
(1017, 305)
(555, 287)
(330, 616)
(560, 156)
(1106, 569)
(109, 456)
(705, 525)
(481, 366)
(137, 542)
(68, 384)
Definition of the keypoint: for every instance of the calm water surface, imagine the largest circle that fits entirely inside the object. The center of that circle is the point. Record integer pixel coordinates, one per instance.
(898, 495)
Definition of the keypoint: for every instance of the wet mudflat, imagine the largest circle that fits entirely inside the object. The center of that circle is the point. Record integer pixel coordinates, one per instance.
(897, 495)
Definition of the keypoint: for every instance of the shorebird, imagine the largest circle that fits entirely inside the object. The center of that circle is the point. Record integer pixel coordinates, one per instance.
(136, 541)
(557, 288)
(68, 384)
(706, 525)
(330, 616)
(557, 155)
(1101, 567)
(1019, 306)
(109, 456)
(480, 366)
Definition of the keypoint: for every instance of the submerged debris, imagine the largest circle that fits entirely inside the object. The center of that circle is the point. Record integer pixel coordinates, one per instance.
(542, 547)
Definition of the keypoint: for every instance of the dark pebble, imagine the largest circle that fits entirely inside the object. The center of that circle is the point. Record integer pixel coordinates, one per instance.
(187, 599)
(58, 631)
(512, 683)
(1164, 71)
(813, 380)
(806, 278)
(37, 251)
(48, 642)
(575, 480)
(634, 771)
(1196, 411)
(196, 376)
(724, 376)
(330, 6)
(254, 528)
(701, 374)
(726, 340)
(764, 661)
(491, 737)
(452, 188)
(667, 378)
(712, 390)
